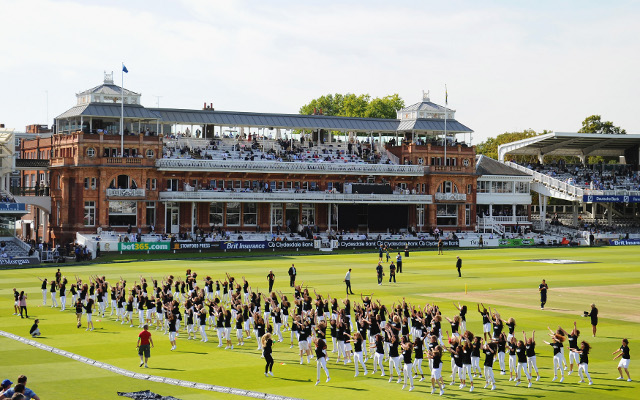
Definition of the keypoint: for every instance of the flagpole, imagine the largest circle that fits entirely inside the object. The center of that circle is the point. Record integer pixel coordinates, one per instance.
(446, 103)
(122, 113)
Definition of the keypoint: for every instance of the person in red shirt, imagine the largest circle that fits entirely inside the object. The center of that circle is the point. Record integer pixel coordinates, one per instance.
(144, 346)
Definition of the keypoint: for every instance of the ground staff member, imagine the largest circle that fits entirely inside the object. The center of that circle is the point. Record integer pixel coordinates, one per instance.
(144, 346)
(347, 281)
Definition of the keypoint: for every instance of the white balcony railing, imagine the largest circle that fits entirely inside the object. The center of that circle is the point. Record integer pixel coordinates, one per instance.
(451, 196)
(169, 164)
(306, 197)
(125, 193)
(551, 183)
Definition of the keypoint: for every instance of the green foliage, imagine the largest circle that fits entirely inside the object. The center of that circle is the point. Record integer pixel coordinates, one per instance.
(489, 147)
(594, 124)
(351, 105)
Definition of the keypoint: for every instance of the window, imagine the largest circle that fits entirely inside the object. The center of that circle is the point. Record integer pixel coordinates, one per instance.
(484, 187)
(305, 185)
(152, 184)
(90, 183)
(123, 213)
(215, 213)
(151, 213)
(420, 214)
(276, 214)
(467, 214)
(89, 213)
(249, 214)
(233, 213)
(150, 153)
(502, 187)
(469, 188)
(447, 187)
(308, 214)
(522, 187)
(58, 181)
(237, 184)
(173, 185)
(91, 152)
(447, 215)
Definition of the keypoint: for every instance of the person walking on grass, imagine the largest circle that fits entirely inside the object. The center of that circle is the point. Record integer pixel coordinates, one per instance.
(459, 266)
(89, 310)
(23, 304)
(271, 278)
(379, 272)
(16, 302)
(543, 293)
(145, 342)
(623, 352)
(347, 281)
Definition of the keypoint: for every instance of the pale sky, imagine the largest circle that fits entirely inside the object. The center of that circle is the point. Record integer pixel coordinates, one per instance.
(508, 65)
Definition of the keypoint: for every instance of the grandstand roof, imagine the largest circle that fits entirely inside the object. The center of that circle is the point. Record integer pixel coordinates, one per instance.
(571, 144)
(109, 110)
(488, 166)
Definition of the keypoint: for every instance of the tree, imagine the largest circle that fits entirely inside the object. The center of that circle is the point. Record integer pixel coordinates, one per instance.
(352, 105)
(489, 147)
(594, 124)
(385, 107)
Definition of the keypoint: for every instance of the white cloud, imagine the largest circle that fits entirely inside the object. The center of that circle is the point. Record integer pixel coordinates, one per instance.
(507, 67)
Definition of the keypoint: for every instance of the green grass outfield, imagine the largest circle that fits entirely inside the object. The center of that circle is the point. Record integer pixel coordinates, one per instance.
(496, 277)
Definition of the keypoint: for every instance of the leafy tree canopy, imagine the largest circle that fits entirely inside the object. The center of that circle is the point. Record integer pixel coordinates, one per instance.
(352, 105)
(594, 124)
(489, 147)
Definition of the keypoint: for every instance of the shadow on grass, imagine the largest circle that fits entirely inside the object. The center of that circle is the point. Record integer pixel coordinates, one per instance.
(349, 388)
(294, 380)
(101, 330)
(191, 352)
(168, 369)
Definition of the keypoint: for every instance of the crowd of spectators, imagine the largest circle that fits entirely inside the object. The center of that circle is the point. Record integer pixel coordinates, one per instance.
(592, 176)
(19, 391)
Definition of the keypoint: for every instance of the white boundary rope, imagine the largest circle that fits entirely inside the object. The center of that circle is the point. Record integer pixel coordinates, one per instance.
(146, 377)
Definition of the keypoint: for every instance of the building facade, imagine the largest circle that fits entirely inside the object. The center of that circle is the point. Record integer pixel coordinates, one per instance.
(178, 171)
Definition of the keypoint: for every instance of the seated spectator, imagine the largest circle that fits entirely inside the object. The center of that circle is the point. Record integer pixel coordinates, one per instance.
(20, 388)
(6, 384)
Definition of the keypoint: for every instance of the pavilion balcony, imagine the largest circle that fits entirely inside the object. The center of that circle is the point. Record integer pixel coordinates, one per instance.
(125, 193)
(293, 196)
(350, 168)
(451, 197)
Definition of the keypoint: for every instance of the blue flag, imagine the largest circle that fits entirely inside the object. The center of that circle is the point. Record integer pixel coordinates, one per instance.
(124, 69)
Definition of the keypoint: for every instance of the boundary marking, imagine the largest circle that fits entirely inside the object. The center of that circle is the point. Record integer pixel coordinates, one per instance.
(147, 377)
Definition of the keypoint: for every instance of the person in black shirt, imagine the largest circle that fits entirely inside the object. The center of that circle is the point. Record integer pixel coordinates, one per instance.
(292, 275)
(379, 272)
(392, 272)
(79, 308)
(511, 324)
(358, 343)
(573, 345)
(321, 360)
(271, 278)
(267, 345)
(489, 353)
(44, 291)
(623, 352)
(543, 293)
(556, 344)
(513, 361)
(458, 263)
(521, 353)
(418, 348)
(89, 310)
(531, 354)
(435, 359)
(407, 351)
(463, 316)
(594, 318)
(585, 348)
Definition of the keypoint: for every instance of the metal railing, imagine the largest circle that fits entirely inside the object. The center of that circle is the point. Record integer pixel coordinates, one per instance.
(125, 193)
(289, 167)
(30, 191)
(451, 196)
(313, 197)
(550, 182)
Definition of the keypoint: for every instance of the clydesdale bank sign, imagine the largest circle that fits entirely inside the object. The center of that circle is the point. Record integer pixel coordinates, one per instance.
(396, 244)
